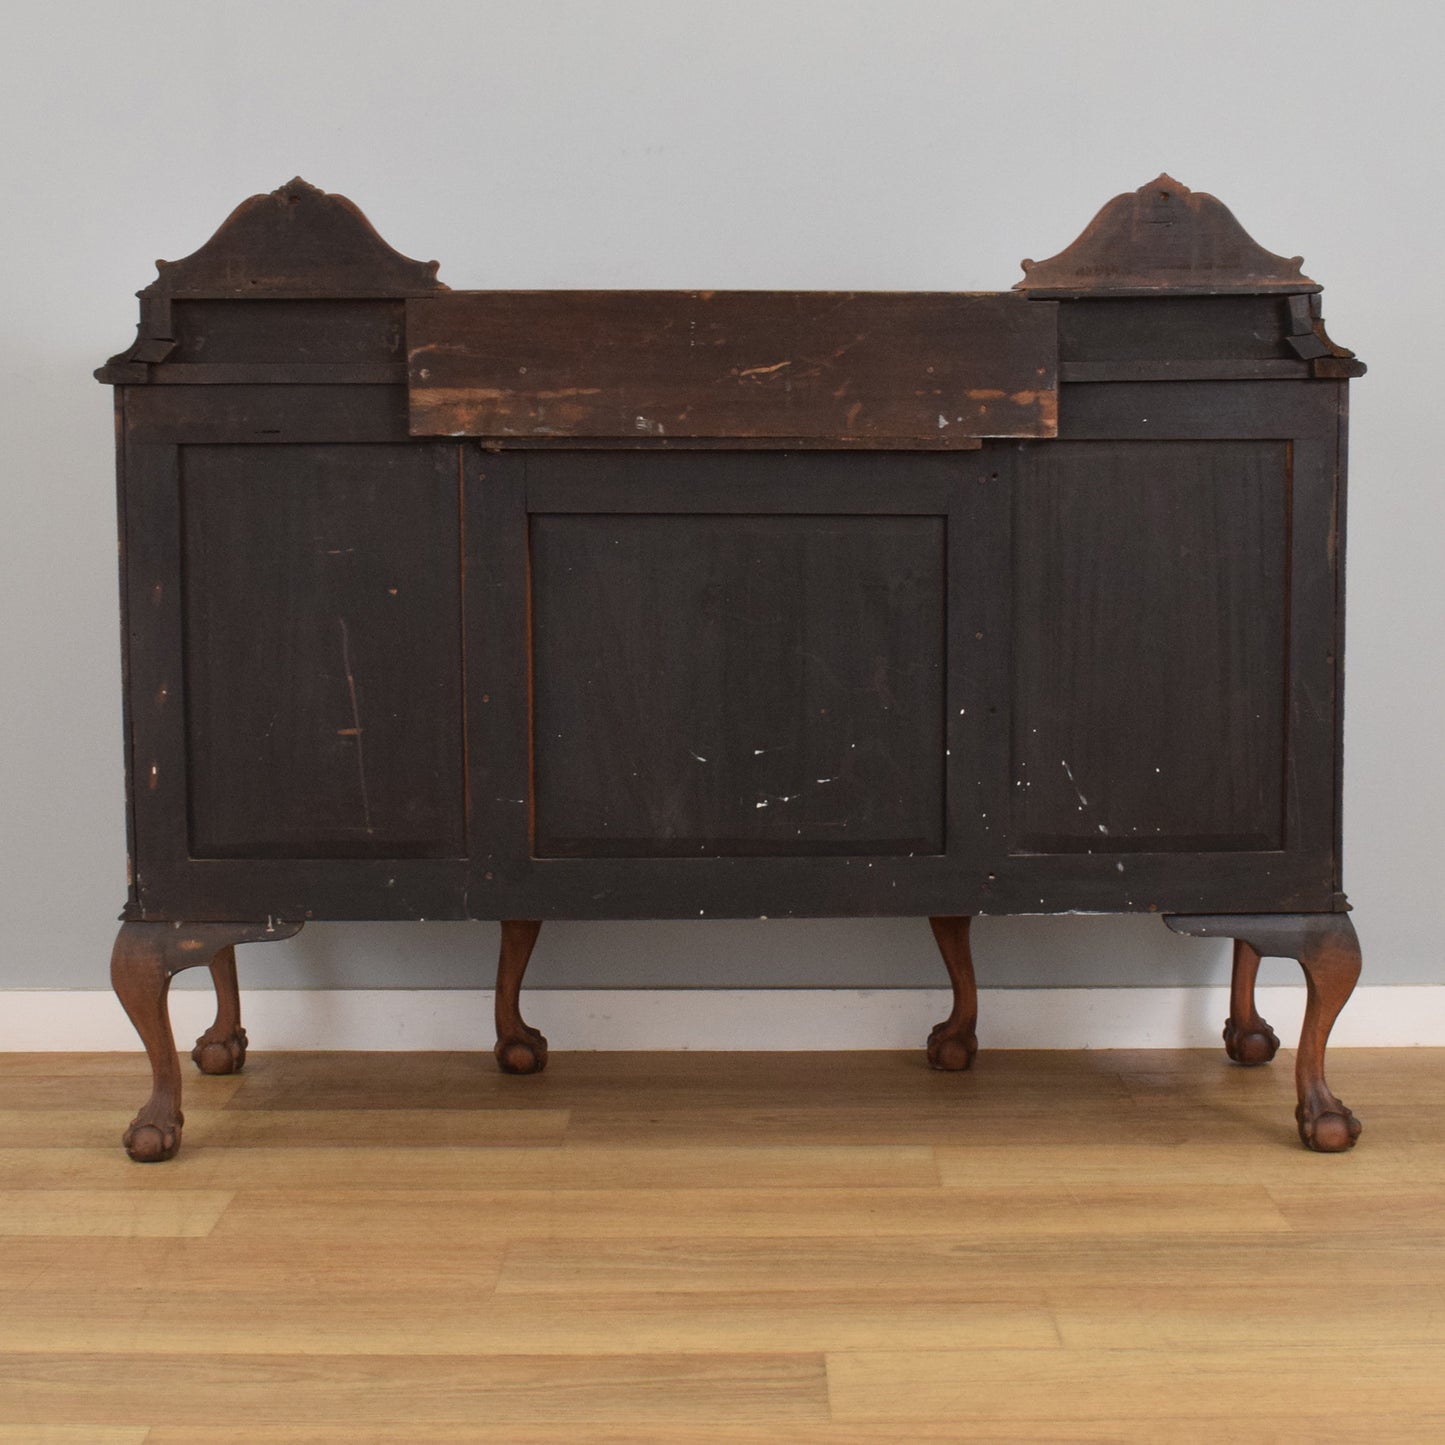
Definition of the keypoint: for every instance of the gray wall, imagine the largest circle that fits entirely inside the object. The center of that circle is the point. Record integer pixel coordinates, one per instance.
(674, 144)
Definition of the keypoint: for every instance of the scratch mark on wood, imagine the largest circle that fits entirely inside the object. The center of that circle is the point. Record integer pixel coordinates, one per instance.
(763, 370)
(1083, 801)
(355, 729)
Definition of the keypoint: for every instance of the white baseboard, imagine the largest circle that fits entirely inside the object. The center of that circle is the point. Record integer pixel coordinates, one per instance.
(44, 1020)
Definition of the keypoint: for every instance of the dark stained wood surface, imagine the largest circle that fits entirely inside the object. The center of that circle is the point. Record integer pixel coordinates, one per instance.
(342, 737)
(1164, 238)
(296, 241)
(901, 367)
(791, 499)
(279, 332)
(266, 414)
(1025, 536)
(1149, 675)
(725, 604)
(757, 685)
(1175, 329)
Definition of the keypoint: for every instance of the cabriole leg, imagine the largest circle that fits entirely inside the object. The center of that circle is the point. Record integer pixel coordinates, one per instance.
(1329, 952)
(145, 959)
(953, 1043)
(1248, 1039)
(520, 1048)
(222, 1048)
(1330, 957)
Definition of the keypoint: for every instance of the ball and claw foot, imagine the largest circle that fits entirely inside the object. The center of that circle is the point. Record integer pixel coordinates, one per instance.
(524, 1053)
(1250, 1046)
(951, 1050)
(153, 1140)
(1328, 1130)
(218, 1052)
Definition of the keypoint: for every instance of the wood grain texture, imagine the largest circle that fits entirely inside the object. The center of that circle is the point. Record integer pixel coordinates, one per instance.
(295, 744)
(281, 1389)
(1389, 1429)
(74, 1434)
(716, 686)
(1126, 1384)
(369, 1219)
(295, 241)
(498, 1167)
(401, 1323)
(1200, 767)
(1164, 238)
(117, 1213)
(876, 366)
(637, 1274)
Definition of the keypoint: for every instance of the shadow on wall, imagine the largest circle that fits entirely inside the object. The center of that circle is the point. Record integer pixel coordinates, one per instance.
(1030, 952)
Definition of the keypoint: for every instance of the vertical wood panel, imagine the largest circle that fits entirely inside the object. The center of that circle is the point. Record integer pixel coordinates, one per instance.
(1149, 646)
(735, 685)
(323, 651)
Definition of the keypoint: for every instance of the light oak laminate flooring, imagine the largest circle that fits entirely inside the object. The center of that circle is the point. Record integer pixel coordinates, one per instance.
(657, 1249)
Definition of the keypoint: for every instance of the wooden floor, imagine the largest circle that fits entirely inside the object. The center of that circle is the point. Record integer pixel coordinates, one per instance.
(669, 1248)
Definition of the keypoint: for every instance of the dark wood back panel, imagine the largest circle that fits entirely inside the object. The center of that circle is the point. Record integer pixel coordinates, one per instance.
(715, 685)
(783, 602)
(323, 651)
(751, 683)
(895, 368)
(1149, 659)
(280, 333)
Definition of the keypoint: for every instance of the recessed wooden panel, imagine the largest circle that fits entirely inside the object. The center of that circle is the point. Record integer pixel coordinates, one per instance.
(280, 332)
(1149, 644)
(322, 602)
(940, 369)
(738, 685)
(1175, 329)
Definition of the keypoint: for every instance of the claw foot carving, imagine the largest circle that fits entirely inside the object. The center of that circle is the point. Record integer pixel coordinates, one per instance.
(145, 959)
(1327, 1127)
(153, 1137)
(953, 1043)
(950, 1048)
(1248, 1039)
(1250, 1046)
(219, 1052)
(1328, 951)
(521, 1049)
(524, 1053)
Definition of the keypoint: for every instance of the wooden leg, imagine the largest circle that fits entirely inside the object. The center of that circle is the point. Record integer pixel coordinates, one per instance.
(953, 1043)
(1329, 952)
(1248, 1039)
(520, 1048)
(1330, 957)
(145, 959)
(222, 1048)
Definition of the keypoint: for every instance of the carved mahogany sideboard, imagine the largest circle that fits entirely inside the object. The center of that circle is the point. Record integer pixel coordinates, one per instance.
(530, 605)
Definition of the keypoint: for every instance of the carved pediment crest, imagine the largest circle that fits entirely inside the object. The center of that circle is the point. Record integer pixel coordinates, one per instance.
(1164, 238)
(295, 241)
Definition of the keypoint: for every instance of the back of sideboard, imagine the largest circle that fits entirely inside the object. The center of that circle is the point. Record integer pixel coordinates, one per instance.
(801, 651)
